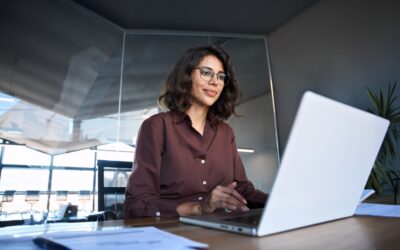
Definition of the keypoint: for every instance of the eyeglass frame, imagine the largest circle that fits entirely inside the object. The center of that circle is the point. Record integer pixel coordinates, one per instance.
(222, 82)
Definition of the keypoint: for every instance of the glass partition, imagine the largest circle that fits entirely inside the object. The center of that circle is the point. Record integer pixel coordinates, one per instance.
(60, 79)
(76, 90)
(149, 57)
(60, 71)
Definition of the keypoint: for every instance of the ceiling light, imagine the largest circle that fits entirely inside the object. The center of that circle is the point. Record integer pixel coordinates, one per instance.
(245, 150)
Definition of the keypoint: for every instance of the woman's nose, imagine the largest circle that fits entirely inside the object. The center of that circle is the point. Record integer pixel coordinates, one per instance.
(213, 80)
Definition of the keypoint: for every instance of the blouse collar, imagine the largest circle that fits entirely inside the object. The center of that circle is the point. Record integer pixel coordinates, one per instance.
(180, 117)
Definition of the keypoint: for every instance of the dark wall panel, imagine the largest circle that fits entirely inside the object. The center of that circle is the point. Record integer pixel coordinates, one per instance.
(336, 48)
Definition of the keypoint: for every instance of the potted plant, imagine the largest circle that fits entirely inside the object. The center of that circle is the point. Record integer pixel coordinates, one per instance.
(384, 173)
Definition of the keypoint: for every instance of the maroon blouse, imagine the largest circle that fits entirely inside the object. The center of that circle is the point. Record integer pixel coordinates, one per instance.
(176, 164)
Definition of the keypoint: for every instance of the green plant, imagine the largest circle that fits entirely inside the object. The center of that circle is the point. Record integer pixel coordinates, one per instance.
(383, 172)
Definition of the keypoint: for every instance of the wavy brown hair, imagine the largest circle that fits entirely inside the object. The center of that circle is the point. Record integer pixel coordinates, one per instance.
(177, 89)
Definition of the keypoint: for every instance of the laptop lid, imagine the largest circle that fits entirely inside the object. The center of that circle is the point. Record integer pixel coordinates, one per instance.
(328, 158)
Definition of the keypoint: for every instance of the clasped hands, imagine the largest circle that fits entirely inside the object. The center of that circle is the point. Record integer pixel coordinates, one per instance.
(225, 197)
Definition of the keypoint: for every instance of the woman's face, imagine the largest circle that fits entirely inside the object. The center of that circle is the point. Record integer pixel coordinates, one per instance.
(206, 89)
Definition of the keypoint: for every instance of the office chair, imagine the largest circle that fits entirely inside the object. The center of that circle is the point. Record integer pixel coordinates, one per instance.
(111, 192)
(61, 196)
(8, 197)
(102, 216)
(31, 197)
(84, 197)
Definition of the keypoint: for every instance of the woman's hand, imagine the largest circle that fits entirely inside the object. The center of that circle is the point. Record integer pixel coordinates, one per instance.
(224, 197)
(220, 197)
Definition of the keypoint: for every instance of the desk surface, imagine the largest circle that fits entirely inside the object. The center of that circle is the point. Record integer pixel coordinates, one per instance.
(358, 232)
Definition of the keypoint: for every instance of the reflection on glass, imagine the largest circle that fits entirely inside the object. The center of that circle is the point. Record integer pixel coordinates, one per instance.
(114, 177)
(6, 103)
(114, 202)
(255, 128)
(75, 70)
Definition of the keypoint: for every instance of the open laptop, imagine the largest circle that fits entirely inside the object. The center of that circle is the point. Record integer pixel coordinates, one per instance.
(328, 158)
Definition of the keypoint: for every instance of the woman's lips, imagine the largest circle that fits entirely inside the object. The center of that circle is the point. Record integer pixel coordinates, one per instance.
(210, 93)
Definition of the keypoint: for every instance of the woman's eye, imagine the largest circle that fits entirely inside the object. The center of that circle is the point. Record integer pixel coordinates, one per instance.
(207, 73)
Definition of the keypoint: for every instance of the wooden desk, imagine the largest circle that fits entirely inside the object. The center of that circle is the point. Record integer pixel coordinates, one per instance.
(358, 232)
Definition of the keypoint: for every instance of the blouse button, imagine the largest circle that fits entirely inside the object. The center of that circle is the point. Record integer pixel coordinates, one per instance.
(200, 198)
(158, 214)
(203, 161)
(204, 182)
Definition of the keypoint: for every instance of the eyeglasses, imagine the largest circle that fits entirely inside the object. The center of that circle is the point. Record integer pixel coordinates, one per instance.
(207, 74)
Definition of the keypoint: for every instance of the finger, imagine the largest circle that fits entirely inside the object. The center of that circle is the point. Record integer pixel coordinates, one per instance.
(227, 205)
(232, 192)
(219, 199)
(231, 195)
(220, 196)
(233, 201)
(232, 185)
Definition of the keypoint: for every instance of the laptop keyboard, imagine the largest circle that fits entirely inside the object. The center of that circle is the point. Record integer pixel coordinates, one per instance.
(246, 219)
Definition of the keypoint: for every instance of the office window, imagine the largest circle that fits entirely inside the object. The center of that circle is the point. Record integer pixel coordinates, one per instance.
(24, 179)
(72, 180)
(21, 155)
(20, 180)
(82, 158)
(115, 156)
(115, 152)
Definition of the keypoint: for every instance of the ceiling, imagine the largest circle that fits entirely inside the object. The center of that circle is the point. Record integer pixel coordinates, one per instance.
(80, 48)
(233, 16)
(63, 58)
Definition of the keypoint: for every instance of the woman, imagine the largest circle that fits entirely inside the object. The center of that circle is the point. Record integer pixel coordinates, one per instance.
(186, 161)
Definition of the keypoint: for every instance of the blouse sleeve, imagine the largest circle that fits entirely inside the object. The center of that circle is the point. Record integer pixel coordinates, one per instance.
(254, 197)
(142, 195)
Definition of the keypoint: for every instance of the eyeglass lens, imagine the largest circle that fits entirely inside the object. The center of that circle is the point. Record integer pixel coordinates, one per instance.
(207, 74)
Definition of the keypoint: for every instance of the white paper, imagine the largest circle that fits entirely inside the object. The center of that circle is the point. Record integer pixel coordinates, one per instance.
(127, 238)
(366, 193)
(378, 210)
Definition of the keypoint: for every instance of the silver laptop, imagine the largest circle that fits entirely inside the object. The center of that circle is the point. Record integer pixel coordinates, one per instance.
(328, 157)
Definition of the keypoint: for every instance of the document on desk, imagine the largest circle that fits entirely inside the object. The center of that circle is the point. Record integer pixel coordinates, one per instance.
(127, 238)
(366, 193)
(373, 209)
